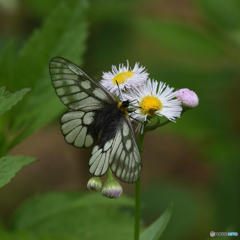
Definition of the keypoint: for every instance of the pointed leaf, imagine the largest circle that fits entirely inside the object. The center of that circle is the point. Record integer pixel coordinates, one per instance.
(9, 165)
(9, 99)
(154, 231)
(62, 34)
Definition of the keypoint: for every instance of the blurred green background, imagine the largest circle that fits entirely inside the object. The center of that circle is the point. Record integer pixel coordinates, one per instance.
(193, 163)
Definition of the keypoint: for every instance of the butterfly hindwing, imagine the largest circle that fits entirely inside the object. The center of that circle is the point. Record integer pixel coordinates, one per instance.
(75, 127)
(125, 159)
(120, 153)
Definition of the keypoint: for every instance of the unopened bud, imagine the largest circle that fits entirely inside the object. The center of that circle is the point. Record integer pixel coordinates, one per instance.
(94, 183)
(188, 98)
(111, 188)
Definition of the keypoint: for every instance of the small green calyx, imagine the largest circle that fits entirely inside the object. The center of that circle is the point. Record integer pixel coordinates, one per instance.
(95, 184)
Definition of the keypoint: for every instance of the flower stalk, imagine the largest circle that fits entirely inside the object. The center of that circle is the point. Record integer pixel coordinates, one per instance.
(138, 194)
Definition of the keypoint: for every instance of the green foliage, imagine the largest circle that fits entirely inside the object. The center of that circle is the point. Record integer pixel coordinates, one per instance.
(225, 13)
(39, 9)
(180, 39)
(21, 235)
(75, 215)
(9, 165)
(5, 235)
(9, 99)
(195, 208)
(62, 34)
(156, 229)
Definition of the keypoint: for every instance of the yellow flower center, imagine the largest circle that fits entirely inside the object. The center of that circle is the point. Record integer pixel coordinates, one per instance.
(150, 104)
(122, 77)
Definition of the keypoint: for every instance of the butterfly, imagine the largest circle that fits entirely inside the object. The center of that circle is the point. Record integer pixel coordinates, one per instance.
(96, 118)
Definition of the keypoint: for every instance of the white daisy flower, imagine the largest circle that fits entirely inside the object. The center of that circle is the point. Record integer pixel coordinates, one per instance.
(125, 77)
(153, 99)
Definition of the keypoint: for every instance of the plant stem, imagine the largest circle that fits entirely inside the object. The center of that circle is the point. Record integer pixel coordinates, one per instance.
(158, 124)
(109, 175)
(137, 209)
(138, 194)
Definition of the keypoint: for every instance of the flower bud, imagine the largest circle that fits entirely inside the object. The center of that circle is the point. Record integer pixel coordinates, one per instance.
(188, 98)
(94, 183)
(111, 188)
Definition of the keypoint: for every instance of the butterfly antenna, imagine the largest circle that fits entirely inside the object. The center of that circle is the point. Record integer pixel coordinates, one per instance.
(120, 93)
(132, 105)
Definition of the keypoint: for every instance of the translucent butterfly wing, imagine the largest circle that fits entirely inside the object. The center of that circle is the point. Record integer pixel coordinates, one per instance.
(80, 93)
(85, 97)
(74, 126)
(75, 88)
(122, 152)
(125, 159)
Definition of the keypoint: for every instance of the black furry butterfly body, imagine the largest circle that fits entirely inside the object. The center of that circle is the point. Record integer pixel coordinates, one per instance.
(96, 118)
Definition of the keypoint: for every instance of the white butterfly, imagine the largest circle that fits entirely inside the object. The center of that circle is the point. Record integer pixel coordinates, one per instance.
(96, 117)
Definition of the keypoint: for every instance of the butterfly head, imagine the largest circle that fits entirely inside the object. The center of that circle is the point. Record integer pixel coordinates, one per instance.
(123, 106)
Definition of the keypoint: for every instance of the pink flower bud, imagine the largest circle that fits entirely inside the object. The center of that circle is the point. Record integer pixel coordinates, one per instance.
(188, 98)
(112, 189)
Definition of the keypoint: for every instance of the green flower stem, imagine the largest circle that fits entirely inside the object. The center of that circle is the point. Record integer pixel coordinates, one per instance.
(138, 195)
(158, 124)
(153, 127)
(110, 175)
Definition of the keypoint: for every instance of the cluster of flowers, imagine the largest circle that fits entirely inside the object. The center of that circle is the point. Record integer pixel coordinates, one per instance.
(148, 98)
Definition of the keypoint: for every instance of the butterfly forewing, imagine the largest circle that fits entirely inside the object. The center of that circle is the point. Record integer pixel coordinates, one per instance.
(75, 88)
(95, 119)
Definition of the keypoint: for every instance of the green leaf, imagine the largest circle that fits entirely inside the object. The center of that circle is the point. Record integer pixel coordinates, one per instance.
(24, 235)
(155, 230)
(39, 9)
(76, 215)
(189, 204)
(62, 34)
(4, 235)
(9, 99)
(9, 165)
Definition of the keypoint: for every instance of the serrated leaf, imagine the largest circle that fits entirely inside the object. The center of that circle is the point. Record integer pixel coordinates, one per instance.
(66, 25)
(75, 214)
(154, 231)
(62, 34)
(9, 99)
(9, 165)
